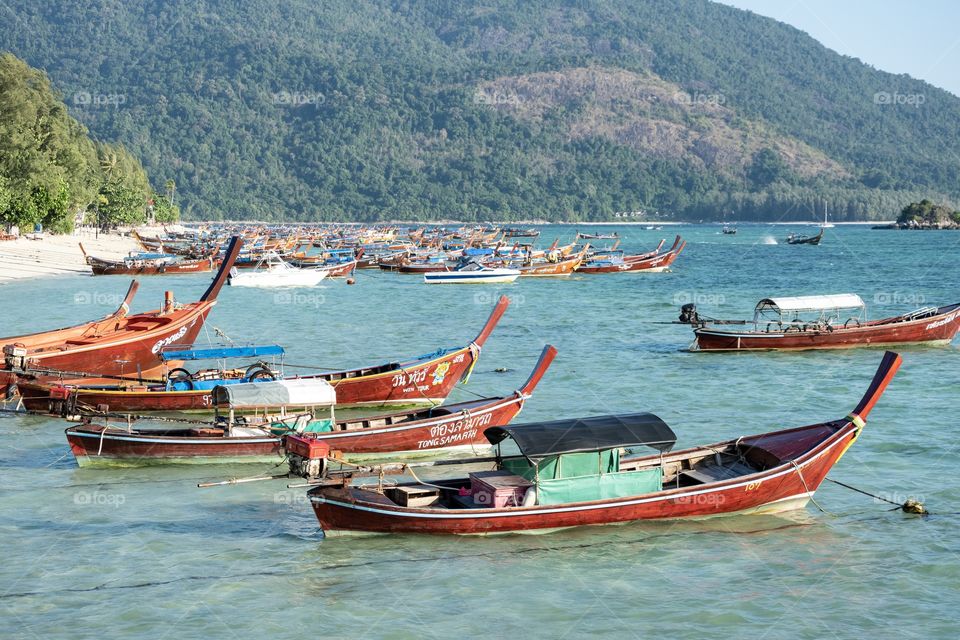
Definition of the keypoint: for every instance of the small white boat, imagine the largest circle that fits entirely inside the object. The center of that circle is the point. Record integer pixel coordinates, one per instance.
(472, 273)
(272, 271)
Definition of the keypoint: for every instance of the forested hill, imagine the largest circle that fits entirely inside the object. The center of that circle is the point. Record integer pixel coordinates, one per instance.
(557, 110)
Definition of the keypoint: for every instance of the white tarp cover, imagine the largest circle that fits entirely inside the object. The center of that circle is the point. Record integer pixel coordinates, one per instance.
(296, 392)
(813, 303)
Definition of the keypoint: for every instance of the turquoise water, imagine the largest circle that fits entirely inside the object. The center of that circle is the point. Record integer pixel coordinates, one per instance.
(117, 553)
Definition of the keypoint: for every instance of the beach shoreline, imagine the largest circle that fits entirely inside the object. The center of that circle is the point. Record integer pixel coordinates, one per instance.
(53, 255)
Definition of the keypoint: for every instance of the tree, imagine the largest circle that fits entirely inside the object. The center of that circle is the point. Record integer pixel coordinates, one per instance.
(766, 168)
(121, 204)
(164, 210)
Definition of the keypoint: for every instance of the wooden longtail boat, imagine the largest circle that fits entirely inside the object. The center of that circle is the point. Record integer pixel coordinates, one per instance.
(448, 428)
(778, 324)
(794, 238)
(598, 236)
(616, 262)
(570, 474)
(8, 378)
(148, 265)
(120, 344)
(547, 269)
(425, 380)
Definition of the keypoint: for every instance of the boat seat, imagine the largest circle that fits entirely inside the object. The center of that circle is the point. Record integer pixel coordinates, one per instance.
(717, 473)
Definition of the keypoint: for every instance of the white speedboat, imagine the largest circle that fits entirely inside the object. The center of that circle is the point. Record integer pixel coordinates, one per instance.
(272, 271)
(472, 273)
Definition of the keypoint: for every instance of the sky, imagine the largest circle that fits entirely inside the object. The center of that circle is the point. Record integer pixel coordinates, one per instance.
(919, 37)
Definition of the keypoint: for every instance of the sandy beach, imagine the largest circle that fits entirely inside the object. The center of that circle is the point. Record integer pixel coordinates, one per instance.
(58, 254)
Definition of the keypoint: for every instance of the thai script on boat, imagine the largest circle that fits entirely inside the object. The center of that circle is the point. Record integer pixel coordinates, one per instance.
(940, 323)
(461, 430)
(413, 377)
(169, 340)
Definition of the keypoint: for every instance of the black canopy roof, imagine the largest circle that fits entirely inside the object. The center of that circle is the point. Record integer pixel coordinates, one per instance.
(538, 440)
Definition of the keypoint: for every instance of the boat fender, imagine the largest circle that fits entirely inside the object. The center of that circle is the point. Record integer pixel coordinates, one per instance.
(529, 498)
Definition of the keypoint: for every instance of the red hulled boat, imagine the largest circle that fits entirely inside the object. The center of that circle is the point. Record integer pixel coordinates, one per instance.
(150, 265)
(618, 262)
(118, 345)
(412, 433)
(570, 474)
(427, 379)
(779, 324)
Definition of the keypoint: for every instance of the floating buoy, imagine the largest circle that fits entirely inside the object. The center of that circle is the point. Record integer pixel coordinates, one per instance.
(501, 370)
(914, 506)
(351, 281)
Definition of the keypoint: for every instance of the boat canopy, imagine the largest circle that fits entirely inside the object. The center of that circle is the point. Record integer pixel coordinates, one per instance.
(812, 303)
(296, 392)
(218, 353)
(539, 440)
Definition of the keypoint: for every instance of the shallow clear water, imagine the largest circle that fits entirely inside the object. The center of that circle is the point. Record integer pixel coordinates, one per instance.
(121, 552)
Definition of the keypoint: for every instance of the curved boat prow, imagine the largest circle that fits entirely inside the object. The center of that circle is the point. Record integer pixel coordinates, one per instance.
(492, 321)
(885, 373)
(124, 307)
(543, 363)
(233, 250)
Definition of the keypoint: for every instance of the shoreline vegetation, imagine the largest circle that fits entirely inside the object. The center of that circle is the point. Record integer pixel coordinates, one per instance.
(53, 175)
(925, 215)
(517, 113)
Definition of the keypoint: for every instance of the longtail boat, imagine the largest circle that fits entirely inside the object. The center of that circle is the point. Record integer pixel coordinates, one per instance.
(424, 380)
(571, 473)
(655, 263)
(118, 345)
(613, 261)
(423, 432)
(598, 236)
(150, 264)
(795, 238)
(821, 322)
(548, 268)
(180, 390)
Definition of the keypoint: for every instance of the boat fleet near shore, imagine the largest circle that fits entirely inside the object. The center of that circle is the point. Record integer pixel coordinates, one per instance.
(336, 430)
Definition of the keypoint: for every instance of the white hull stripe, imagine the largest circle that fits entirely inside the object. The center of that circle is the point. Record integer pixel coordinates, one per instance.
(160, 440)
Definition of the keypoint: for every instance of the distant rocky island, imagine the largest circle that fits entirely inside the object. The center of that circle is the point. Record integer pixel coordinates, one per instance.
(925, 215)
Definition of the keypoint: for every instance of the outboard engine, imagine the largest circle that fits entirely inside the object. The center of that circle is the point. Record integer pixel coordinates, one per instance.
(15, 356)
(688, 314)
(307, 456)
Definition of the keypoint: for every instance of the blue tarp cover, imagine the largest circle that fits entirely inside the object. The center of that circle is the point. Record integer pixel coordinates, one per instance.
(216, 353)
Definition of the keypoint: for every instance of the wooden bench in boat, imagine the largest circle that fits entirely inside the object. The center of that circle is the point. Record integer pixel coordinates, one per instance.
(716, 473)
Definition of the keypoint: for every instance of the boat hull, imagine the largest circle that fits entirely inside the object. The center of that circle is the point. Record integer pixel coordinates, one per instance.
(938, 329)
(781, 488)
(120, 269)
(458, 277)
(461, 429)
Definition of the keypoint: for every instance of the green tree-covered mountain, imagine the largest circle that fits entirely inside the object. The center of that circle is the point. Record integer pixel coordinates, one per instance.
(498, 110)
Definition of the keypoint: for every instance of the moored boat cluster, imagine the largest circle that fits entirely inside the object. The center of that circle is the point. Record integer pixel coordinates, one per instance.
(335, 427)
